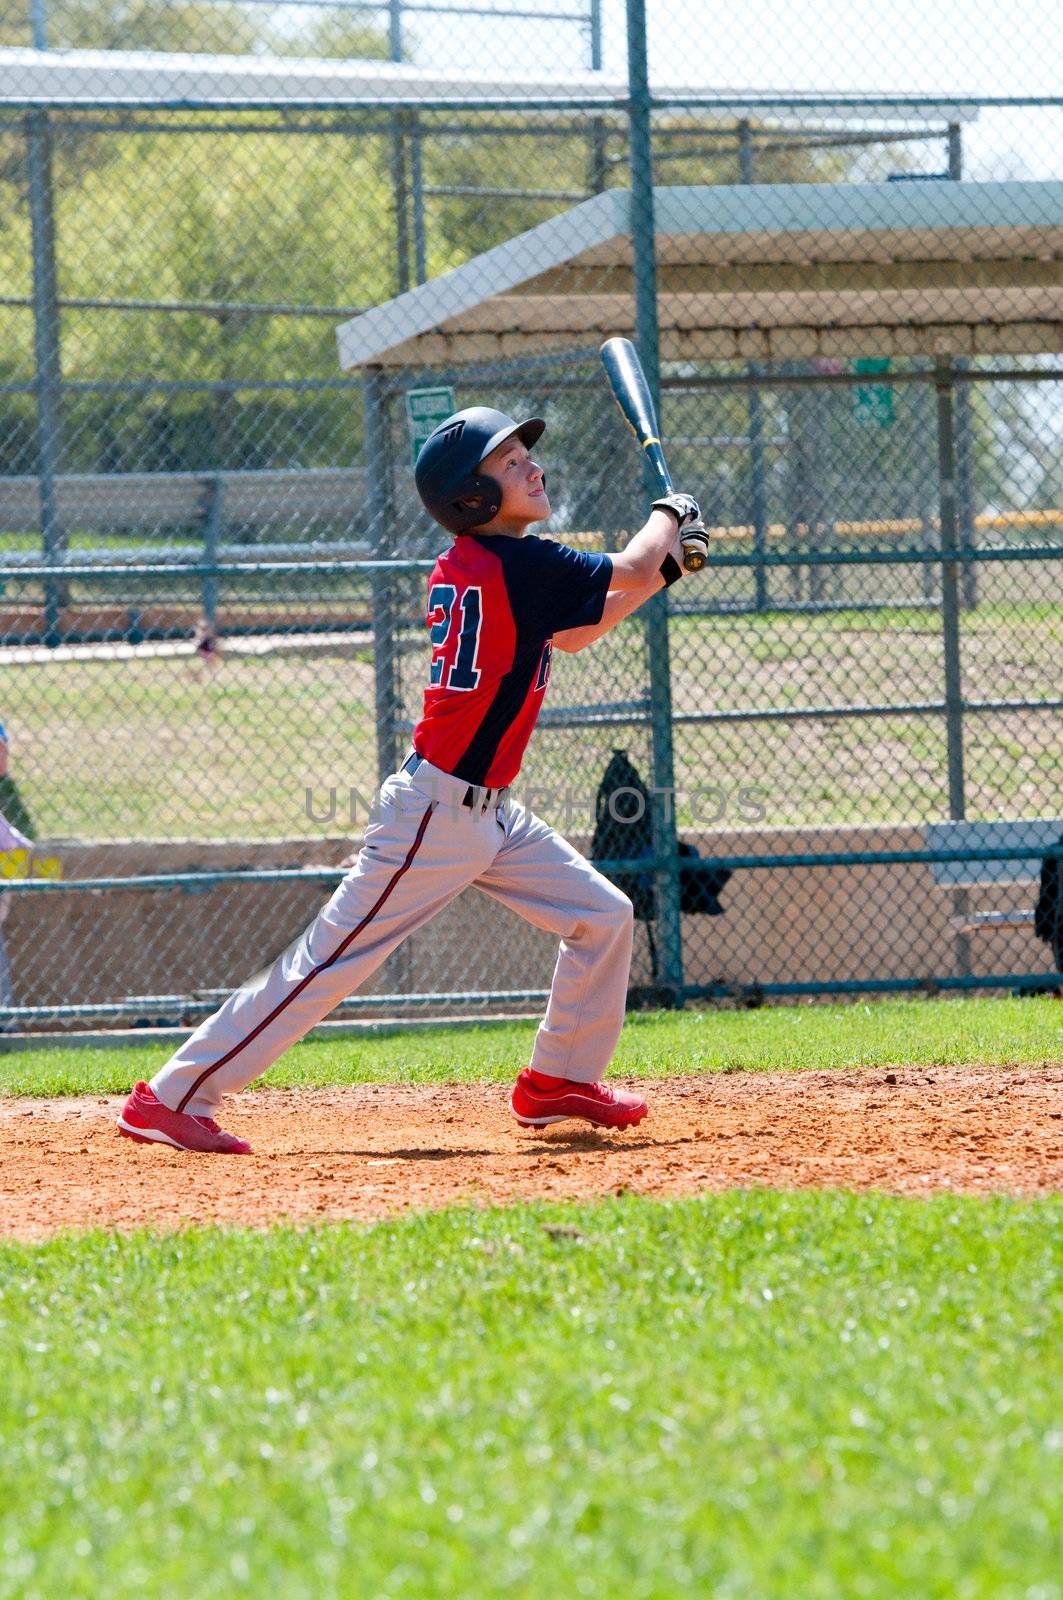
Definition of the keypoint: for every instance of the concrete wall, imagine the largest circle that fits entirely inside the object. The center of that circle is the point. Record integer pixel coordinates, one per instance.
(810, 924)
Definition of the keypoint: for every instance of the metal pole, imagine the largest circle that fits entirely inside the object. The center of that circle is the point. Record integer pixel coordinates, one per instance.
(644, 247)
(817, 501)
(46, 338)
(395, 30)
(955, 147)
(755, 412)
(964, 421)
(643, 225)
(599, 173)
(211, 540)
(420, 243)
(794, 511)
(377, 451)
(950, 627)
(398, 160)
(950, 612)
(745, 151)
(401, 192)
(598, 168)
(965, 485)
(385, 655)
(39, 24)
(923, 404)
(224, 440)
(759, 499)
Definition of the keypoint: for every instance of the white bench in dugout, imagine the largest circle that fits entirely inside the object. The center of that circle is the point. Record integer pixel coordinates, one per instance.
(1036, 833)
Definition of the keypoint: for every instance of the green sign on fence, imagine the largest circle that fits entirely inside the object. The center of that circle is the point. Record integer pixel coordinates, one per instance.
(873, 402)
(425, 410)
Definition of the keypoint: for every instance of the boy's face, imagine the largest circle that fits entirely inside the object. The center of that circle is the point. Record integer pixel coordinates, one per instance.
(524, 497)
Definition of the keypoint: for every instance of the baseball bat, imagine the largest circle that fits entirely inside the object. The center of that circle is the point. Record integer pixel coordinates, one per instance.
(632, 394)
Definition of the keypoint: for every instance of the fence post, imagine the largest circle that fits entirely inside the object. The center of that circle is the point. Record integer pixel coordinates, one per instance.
(964, 421)
(46, 337)
(965, 485)
(644, 247)
(420, 243)
(755, 412)
(378, 458)
(922, 403)
(818, 402)
(400, 187)
(797, 515)
(950, 627)
(950, 610)
(211, 539)
(598, 171)
(39, 24)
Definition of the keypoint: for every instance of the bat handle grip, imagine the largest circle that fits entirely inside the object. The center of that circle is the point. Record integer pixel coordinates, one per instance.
(695, 541)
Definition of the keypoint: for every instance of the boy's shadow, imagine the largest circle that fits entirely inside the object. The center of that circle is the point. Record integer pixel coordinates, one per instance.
(559, 1144)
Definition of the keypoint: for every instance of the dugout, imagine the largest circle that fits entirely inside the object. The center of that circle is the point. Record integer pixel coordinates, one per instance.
(765, 273)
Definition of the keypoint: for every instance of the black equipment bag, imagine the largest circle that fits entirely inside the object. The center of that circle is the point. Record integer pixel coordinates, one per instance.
(623, 831)
(1048, 913)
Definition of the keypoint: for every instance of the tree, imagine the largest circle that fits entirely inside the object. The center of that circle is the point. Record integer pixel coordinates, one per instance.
(141, 25)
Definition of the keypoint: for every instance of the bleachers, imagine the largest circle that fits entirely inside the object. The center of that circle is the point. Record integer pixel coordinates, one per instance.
(296, 503)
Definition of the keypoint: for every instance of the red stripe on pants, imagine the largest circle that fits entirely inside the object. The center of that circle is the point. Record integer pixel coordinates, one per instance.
(322, 967)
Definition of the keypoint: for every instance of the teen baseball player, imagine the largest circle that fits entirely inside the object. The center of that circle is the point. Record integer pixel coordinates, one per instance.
(499, 600)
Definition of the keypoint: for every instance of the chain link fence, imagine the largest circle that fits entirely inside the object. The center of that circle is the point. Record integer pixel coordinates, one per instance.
(844, 734)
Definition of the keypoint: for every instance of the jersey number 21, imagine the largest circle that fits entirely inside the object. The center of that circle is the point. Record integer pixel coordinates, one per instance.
(442, 613)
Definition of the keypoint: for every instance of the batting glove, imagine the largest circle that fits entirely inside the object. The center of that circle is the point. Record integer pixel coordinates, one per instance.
(683, 507)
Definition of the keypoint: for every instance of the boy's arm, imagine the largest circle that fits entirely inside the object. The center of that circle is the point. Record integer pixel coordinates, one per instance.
(637, 566)
(636, 571)
(618, 605)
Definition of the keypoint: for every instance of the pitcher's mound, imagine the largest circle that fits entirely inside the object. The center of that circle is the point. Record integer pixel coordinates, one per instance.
(376, 1150)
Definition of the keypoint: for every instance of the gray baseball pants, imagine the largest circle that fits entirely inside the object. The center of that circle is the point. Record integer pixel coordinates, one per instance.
(423, 846)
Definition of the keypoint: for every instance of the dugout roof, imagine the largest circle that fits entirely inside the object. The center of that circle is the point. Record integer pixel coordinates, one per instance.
(765, 272)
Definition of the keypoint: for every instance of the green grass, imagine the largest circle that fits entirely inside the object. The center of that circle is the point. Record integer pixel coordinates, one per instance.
(232, 757)
(227, 758)
(777, 1038)
(137, 549)
(821, 1396)
(988, 617)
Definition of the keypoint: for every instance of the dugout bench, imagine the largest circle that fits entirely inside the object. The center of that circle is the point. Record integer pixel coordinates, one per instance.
(1041, 837)
(1037, 834)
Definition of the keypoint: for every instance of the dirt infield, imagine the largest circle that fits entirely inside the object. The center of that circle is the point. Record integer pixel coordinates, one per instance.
(376, 1150)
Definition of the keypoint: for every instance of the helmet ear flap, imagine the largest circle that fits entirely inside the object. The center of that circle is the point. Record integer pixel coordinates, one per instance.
(478, 500)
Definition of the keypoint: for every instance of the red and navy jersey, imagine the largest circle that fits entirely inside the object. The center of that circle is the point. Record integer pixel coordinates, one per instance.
(494, 604)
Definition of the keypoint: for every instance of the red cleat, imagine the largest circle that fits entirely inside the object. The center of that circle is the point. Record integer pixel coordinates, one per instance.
(599, 1103)
(147, 1120)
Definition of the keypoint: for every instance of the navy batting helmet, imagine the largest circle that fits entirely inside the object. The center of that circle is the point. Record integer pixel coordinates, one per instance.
(452, 490)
